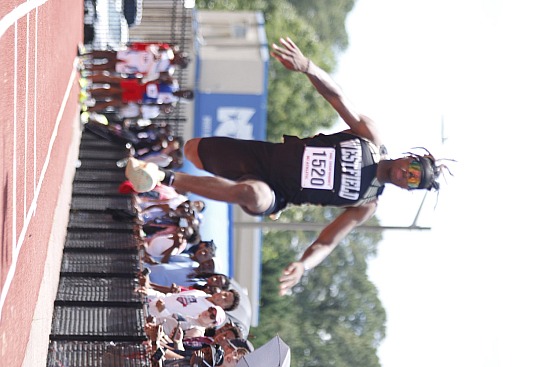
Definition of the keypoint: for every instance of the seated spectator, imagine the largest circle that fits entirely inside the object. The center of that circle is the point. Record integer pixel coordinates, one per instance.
(155, 144)
(183, 345)
(164, 247)
(137, 111)
(172, 248)
(172, 351)
(176, 207)
(189, 303)
(242, 343)
(179, 273)
(149, 60)
(159, 216)
(194, 208)
(207, 357)
(189, 306)
(202, 251)
(233, 350)
(232, 356)
(212, 284)
(169, 156)
(194, 326)
(153, 230)
(226, 332)
(160, 192)
(98, 125)
(146, 202)
(151, 138)
(115, 92)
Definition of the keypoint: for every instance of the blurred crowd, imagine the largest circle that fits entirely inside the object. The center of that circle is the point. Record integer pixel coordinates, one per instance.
(128, 95)
(191, 305)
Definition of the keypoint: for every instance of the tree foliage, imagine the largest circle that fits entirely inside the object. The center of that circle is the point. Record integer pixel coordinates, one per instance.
(334, 317)
(294, 107)
(328, 18)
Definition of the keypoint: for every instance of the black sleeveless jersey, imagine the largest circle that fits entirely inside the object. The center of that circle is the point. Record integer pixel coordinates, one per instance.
(335, 170)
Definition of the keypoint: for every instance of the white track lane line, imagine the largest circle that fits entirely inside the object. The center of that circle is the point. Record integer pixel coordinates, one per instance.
(6, 22)
(13, 16)
(32, 209)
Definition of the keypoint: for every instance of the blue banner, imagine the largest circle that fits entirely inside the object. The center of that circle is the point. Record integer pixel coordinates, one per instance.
(231, 115)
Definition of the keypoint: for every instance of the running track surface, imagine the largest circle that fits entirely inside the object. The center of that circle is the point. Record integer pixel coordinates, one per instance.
(38, 99)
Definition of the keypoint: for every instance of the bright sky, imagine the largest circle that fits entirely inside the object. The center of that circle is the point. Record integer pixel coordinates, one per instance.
(473, 291)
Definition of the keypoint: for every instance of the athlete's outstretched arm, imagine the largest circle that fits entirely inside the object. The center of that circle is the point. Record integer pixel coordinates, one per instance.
(288, 54)
(327, 241)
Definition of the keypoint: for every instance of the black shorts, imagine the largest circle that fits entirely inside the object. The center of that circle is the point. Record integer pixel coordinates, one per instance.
(238, 160)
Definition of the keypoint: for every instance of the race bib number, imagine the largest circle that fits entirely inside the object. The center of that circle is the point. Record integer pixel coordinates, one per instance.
(318, 168)
(152, 90)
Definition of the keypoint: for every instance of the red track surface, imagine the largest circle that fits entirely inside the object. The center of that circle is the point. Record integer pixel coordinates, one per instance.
(39, 104)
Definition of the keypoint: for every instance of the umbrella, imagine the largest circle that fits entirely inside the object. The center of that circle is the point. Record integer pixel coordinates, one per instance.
(275, 353)
(242, 315)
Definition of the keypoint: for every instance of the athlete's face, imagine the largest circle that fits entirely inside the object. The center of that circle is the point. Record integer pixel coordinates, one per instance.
(405, 173)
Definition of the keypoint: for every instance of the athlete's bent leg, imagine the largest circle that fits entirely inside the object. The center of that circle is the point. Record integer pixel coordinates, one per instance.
(254, 195)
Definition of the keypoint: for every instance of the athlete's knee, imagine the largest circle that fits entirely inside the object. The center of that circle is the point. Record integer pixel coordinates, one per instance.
(191, 151)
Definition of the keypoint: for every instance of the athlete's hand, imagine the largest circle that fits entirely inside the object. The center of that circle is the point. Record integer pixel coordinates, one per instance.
(291, 276)
(290, 55)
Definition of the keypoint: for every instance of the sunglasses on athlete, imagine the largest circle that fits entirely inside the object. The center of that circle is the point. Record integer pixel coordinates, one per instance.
(414, 174)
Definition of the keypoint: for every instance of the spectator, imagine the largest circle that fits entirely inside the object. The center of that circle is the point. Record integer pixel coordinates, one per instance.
(189, 303)
(172, 351)
(122, 91)
(179, 273)
(148, 60)
(193, 325)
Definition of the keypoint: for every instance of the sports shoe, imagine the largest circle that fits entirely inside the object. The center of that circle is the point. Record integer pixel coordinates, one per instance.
(143, 176)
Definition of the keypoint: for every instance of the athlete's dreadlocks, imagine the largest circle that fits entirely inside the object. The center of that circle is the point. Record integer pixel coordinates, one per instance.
(431, 169)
